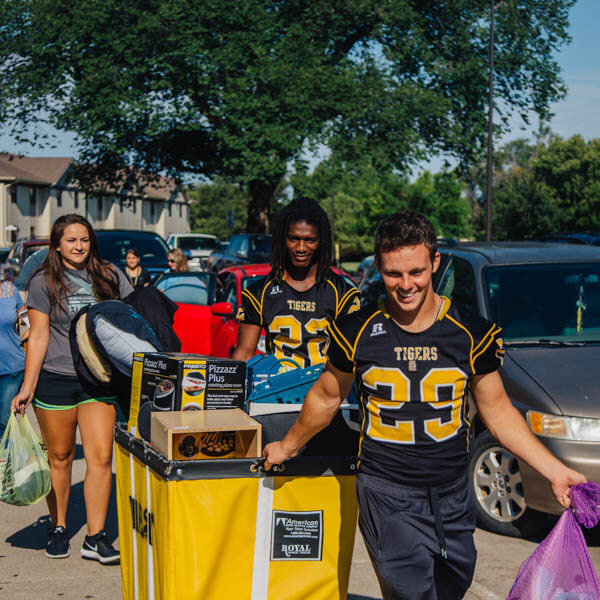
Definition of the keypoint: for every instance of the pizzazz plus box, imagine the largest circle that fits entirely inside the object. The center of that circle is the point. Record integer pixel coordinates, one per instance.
(170, 381)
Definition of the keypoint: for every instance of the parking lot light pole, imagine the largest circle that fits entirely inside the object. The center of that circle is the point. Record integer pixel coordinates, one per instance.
(490, 148)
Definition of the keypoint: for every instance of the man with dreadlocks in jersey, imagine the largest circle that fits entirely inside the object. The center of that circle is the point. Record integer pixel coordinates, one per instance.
(413, 354)
(297, 302)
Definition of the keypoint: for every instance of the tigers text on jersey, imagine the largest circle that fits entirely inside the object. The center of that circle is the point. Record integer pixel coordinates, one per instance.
(412, 389)
(296, 323)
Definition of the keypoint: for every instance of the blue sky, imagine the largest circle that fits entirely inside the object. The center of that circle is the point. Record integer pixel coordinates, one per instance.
(579, 112)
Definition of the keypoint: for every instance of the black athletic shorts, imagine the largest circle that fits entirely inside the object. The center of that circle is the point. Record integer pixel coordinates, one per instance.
(61, 392)
(420, 540)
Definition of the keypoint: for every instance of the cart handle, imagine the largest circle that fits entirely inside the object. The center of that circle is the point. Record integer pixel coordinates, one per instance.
(259, 466)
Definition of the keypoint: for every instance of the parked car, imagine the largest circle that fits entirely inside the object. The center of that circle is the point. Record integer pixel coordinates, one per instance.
(232, 280)
(244, 248)
(547, 299)
(4, 254)
(198, 246)
(195, 294)
(363, 266)
(22, 250)
(581, 237)
(205, 320)
(114, 243)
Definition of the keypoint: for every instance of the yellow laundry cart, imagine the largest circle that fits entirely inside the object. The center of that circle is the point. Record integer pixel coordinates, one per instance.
(224, 528)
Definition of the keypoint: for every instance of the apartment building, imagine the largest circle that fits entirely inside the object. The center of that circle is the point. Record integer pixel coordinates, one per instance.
(35, 191)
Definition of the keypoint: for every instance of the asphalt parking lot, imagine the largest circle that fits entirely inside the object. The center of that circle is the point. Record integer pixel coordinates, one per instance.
(26, 574)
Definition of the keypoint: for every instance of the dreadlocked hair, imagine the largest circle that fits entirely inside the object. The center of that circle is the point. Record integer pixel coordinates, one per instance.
(105, 283)
(308, 210)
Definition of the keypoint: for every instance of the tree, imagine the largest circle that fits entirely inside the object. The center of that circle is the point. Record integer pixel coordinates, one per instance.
(569, 173)
(440, 197)
(363, 196)
(210, 203)
(548, 186)
(238, 89)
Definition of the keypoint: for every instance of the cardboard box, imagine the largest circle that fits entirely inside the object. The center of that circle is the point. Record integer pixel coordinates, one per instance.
(194, 435)
(175, 381)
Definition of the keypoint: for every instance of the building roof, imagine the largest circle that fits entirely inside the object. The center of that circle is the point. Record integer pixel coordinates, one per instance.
(48, 171)
(44, 171)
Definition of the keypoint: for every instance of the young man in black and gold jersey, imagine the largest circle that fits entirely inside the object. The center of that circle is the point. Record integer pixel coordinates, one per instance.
(414, 354)
(297, 302)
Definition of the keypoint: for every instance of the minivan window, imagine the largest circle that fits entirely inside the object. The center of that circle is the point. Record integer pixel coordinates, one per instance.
(546, 301)
(458, 284)
(113, 246)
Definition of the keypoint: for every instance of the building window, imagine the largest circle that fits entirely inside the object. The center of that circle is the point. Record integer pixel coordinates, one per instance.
(59, 198)
(170, 208)
(180, 212)
(152, 210)
(76, 200)
(134, 205)
(13, 194)
(100, 207)
(121, 202)
(32, 196)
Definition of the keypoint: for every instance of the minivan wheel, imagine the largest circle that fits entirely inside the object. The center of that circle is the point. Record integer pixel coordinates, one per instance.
(498, 490)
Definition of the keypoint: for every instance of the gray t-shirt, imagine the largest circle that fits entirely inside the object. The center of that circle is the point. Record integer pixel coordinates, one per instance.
(58, 356)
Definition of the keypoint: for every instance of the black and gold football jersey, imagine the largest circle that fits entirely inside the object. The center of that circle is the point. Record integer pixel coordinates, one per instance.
(297, 323)
(412, 389)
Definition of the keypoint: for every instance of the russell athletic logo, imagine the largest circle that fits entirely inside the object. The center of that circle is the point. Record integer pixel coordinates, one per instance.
(378, 330)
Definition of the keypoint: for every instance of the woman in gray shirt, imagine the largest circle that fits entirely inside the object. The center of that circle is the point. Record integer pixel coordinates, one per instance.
(71, 277)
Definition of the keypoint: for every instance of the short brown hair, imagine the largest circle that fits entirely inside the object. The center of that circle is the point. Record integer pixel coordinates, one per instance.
(404, 228)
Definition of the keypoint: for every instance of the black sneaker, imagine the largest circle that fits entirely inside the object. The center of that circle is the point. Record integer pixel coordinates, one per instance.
(58, 544)
(97, 547)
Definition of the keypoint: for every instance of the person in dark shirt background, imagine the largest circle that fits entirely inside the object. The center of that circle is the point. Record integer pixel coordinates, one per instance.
(135, 273)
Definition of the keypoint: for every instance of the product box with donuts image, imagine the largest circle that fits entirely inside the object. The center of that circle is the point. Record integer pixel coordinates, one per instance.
(200, 435)
(165, 381)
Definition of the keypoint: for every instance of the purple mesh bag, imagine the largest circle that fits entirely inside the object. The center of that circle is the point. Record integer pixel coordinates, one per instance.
(560, 568)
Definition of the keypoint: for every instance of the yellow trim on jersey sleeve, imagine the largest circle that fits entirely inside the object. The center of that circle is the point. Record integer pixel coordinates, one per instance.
(490, 335)
(492, 330)
(252, 299)
(345, 299)
(262, 296)
(337, 296)
(471, 361)
(361, 332)
(341, 341)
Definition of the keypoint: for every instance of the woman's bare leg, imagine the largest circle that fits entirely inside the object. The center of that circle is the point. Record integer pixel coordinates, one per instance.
(58, 432)
(96, 422)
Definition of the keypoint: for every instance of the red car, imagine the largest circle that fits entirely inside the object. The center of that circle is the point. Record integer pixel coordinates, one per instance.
(233, 280)
(205, 321)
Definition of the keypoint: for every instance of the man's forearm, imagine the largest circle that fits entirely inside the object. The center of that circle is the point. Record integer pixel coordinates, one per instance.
(513, 433)
(314, 416)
